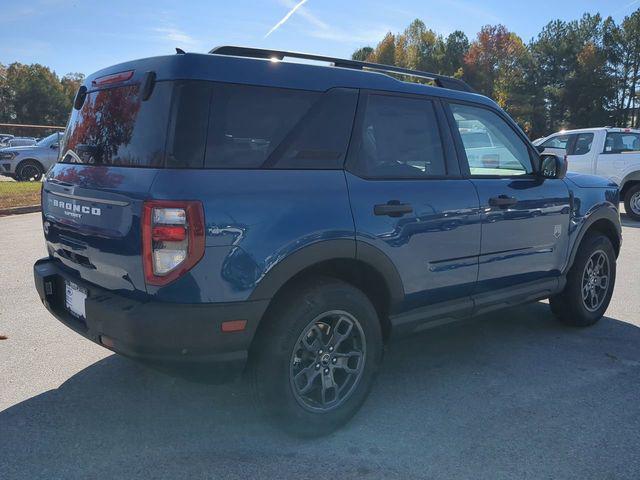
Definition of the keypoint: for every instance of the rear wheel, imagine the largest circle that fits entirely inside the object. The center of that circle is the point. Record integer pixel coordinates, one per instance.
(632, 202)
(590, 283)
(317, 356)
(29, 171)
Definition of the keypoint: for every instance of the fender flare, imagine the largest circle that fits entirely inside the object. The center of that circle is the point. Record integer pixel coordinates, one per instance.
(318, 252)
(630, 177)
(606, 212)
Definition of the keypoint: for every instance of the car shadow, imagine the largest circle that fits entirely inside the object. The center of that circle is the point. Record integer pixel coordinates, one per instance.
(509, 395)
(627, 221)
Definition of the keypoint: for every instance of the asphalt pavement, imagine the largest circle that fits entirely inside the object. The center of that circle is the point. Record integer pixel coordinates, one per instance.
(511, 395)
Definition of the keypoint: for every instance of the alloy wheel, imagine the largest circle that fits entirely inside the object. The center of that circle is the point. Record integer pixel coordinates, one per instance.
(327, 361)
(595, 280)
(634, 203)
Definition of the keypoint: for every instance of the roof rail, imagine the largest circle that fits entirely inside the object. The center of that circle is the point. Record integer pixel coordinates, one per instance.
(439, 80)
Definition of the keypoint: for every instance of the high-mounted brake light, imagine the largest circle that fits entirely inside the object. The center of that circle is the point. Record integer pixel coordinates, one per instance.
(113, 78)
(173, 239)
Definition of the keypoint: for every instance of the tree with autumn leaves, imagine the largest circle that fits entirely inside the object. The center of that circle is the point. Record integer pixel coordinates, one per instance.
(580, 73)
(33, 94)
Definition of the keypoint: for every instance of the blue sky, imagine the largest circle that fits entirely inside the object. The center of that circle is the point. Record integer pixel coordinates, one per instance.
(84, 36)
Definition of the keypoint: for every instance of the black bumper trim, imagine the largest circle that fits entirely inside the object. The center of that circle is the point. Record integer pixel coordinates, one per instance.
(181, 338)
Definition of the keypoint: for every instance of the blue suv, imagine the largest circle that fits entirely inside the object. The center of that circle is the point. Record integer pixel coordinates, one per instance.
(218, 213)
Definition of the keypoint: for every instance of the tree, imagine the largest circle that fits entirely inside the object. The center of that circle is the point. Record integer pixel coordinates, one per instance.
(362, 54)
(497, 64)
(577, 73)
(455, 49)
(33, 94)
(385, 51)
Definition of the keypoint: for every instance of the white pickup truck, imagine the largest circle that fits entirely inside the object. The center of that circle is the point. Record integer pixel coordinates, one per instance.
(613, 153)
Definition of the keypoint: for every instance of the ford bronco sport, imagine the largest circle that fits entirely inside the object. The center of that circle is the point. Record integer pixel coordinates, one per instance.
(228, 212)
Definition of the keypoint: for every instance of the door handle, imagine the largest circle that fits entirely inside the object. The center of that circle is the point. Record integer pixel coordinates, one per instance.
(393, 208)
(502, 201)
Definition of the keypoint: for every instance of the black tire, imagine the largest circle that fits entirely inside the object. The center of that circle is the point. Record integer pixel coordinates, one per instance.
(29, 171)
(632, 202)
(570, 306)
(279, 356)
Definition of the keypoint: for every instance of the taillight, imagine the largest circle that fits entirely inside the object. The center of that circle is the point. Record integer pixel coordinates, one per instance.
(172, 239)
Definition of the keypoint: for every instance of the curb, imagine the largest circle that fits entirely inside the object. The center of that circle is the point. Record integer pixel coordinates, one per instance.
(17, 210)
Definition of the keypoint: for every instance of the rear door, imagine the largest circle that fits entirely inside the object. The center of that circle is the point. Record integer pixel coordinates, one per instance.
(525, 218)
(409, 200)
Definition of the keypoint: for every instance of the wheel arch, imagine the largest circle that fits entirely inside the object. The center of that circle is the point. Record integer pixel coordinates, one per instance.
(629, 181)
(357, 263)
(604, 221)
(29, 159)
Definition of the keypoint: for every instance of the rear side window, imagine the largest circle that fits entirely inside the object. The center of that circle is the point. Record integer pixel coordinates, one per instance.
(399, 138)
(114, 127)
(583, 144)
(263, 127)
(618, 142)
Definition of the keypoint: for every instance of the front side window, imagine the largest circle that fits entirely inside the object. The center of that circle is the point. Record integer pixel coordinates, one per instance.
(399, 138)
(506, 155)
(558, 141)
(583, 144)
(618, 142)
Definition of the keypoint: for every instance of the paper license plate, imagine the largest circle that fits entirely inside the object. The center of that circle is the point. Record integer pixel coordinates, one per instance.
(74, 298)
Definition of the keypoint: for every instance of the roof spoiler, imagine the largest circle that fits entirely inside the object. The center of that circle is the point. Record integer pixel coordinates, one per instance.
(439, 80)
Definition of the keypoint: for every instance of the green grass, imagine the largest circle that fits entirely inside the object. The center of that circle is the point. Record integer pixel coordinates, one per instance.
(19, 194)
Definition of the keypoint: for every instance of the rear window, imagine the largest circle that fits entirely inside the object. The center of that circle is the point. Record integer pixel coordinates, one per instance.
(195, 124)
(114, 127)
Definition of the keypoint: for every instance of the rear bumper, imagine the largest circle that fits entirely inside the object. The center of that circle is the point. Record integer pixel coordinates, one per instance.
(185, 339)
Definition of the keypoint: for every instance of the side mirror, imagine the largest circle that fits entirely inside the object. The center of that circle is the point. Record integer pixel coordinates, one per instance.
(552, 166)
(55, 146)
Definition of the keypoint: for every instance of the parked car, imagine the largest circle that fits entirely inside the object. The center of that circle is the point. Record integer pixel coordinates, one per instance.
(28, 163)
(613, 153)
(213, 214)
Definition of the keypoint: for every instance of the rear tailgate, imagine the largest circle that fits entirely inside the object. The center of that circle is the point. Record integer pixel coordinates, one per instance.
(91, 220)
(110, 154)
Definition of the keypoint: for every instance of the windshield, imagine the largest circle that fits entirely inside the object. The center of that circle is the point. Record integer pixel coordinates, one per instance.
(50, 140)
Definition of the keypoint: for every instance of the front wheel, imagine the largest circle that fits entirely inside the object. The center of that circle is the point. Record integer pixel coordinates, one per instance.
(29, 171)
(590, 283)
(632, 202)
(317, 356)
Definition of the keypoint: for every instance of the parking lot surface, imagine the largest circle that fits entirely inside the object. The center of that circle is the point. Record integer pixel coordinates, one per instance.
(510, 395)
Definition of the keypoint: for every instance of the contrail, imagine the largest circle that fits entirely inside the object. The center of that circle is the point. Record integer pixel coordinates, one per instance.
(627, 6)
(286, 17)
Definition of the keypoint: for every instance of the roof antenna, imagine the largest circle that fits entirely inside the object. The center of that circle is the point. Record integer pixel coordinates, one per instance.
(180, 51)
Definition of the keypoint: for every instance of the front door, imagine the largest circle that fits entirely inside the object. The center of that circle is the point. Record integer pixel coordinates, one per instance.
(525, 219)
(409, 200)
